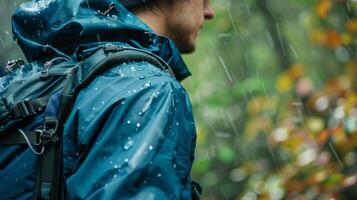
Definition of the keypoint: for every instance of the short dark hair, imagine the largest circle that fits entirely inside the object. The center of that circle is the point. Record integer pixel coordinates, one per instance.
(151, 5)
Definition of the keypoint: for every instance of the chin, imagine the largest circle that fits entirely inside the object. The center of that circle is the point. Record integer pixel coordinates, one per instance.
(187, 47)
(187, 50)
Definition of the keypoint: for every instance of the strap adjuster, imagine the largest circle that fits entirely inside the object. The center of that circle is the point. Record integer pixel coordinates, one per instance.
(112, 48)
(13, 64)
(48, 134)
(47, 137)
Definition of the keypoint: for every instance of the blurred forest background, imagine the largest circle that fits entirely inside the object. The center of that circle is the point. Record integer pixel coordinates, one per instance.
(274, 90)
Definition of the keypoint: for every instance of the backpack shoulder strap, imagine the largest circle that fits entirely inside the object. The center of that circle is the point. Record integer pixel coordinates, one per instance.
(111, 56)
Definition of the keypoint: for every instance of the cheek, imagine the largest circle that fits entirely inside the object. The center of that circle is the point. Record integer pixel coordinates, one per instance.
(186, 22)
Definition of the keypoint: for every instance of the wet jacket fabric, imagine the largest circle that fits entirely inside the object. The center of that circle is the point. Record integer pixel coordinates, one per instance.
(131, 133)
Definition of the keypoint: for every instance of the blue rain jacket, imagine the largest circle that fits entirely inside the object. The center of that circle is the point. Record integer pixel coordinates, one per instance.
(131, 133)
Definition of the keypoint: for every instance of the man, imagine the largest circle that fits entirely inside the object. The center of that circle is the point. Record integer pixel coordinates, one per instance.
(131, 133)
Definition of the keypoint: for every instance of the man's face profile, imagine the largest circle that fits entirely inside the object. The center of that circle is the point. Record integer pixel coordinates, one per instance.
(185, 19)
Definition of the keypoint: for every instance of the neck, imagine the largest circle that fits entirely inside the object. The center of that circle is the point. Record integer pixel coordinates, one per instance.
(154, 18)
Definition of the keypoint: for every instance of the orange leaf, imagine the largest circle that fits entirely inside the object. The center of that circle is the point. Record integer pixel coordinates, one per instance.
(330, 38)
(333, 39)
(323, 137)
(323, 8)
(296, 71)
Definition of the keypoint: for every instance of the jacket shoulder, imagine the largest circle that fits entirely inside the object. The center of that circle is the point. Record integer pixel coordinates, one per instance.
(128, 85)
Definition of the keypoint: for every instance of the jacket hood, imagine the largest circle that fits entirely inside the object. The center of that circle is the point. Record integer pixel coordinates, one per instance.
(45, 29)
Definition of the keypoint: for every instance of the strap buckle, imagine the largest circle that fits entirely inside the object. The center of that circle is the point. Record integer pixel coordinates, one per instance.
(24, 109)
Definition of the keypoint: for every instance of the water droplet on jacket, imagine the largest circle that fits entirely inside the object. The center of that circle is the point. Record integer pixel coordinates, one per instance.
(158, 175)
(174, 165)
(95, 88)
(128, 143)
(111, 162)
(115, 176)
(134, 91)
(93, 108)
(128, 122)
(147, 84)
(137, 125)
(126, 160)
(116, 166)
(103, 102)
(141, 113)
(151, 72)
(177, 124)
(157, 74)
(141, 77)
(151, 147)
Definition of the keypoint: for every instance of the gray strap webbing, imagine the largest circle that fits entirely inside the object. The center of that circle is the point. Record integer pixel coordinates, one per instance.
(17, 138)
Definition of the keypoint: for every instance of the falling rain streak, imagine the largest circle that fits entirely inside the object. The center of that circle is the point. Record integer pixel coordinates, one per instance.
(225, 68)
(335, 154)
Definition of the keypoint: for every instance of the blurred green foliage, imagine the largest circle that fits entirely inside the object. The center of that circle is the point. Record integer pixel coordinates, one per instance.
(274, 91)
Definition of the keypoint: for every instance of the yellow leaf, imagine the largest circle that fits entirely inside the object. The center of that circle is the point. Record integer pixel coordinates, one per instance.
(315, 124)
(201, 135)
(347, 38)
(352, 25)
(284, 83)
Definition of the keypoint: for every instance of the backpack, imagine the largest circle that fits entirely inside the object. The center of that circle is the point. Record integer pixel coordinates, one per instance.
(34, 105)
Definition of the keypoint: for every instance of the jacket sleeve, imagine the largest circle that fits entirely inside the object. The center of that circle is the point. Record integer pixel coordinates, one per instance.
(139, 145)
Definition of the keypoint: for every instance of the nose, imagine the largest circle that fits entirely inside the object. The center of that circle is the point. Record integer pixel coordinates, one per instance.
(209, 12)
